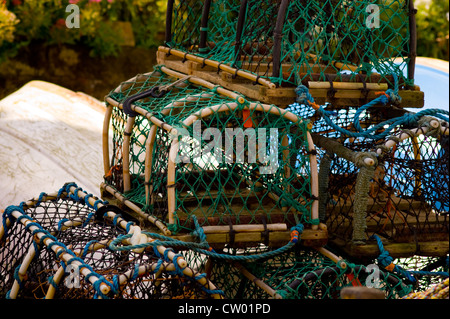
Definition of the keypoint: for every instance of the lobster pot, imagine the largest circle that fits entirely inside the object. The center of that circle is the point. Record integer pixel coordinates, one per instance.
(186, 149)
(343, 118)
(398, 191)
(294, 41)
(58, 246)
(298, 273)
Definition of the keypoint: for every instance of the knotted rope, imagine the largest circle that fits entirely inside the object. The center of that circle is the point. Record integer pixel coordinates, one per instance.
(384, 98)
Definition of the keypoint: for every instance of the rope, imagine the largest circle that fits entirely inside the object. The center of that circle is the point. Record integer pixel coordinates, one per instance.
(386, 261)
(64, 249)
(204, 247)
(390, 96)
(439, 291)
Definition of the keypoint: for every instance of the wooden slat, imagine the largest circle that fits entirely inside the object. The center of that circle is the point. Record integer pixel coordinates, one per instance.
(309, 238)
(396, 250)
(284, 96)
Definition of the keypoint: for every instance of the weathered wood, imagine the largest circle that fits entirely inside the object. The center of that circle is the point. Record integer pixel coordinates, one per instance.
(410, 98)
(309, 238)
(362, 293)
(218, 65)
(245, 228)
(401, 226)
(396, 250)
(345, 204)
(347, 85)
(284, 96)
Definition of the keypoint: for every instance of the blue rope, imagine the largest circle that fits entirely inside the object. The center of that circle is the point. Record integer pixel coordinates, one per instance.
(135, 272)
(7, 215)
(390, 96)
(47, 235)
(86, 248)
(429, 273)
(386, 260)
(61, 222)
(198, 232)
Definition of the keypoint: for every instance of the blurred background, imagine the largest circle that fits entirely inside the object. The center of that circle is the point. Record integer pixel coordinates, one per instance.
(117, 39)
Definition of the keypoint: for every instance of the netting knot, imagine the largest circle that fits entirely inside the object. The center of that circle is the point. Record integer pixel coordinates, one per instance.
(303, 95)
(394, 98)
(432, 124)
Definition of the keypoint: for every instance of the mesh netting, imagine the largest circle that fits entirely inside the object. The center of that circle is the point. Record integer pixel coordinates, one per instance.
(288, 41)
(230, 160)
(407, 192)
(71, 245)
(296, 274)
(426, 271)
(58, 246)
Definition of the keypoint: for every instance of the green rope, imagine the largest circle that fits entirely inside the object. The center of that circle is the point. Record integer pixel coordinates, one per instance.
(202, 247)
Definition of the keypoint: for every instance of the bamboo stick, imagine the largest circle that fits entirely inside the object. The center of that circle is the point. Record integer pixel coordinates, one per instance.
(128, 130)
(218, 65)
(314, 180)
(186, 100)
(244, 228)
(332, 256)
(26, 205)
(204, 83)
(22, 271)
(348, 85)
(143, 112)
(91, 200)
(135, 208)
(149, 146)
(287, 168)
(60, 272)
(105, 138)
(171, 195)
(258, 282)
(181, 262)
(56, 279)
(170, 267)
(140, 77)
(416, 132)
(55, 247)
(339, 65)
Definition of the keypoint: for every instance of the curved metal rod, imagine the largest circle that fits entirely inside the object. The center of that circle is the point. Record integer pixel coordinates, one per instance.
(204, 27)
(240, 29)
(169, 12)
(277, 36)
(153, 92)
(412, 40)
